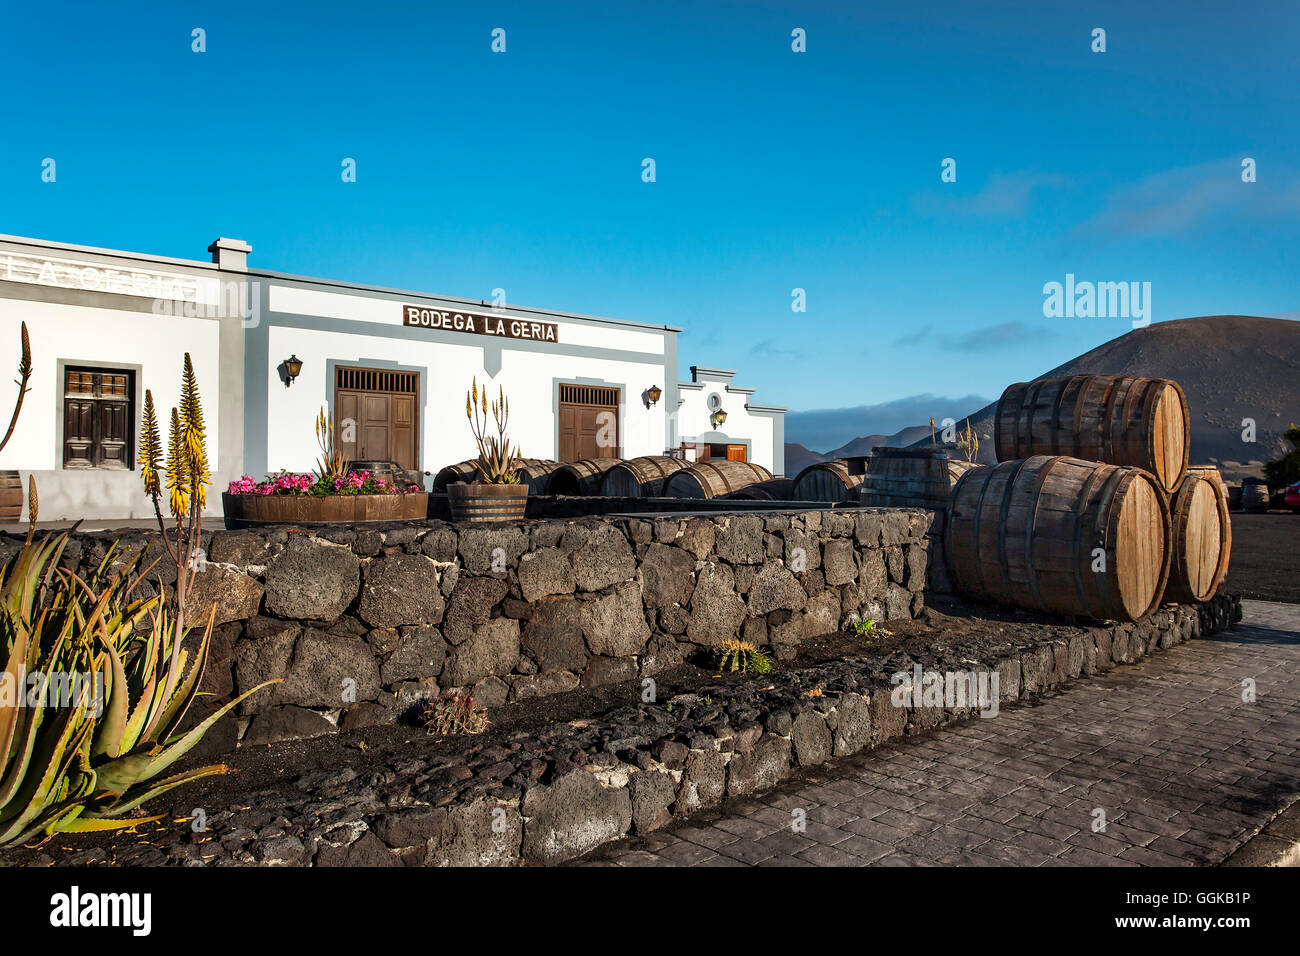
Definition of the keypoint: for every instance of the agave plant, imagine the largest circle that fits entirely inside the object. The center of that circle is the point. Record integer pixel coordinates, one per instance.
(498, 462)
(332, 463)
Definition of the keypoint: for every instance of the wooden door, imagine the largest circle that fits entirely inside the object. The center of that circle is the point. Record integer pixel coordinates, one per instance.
(736, 453)
(376, 409)
(588, 423)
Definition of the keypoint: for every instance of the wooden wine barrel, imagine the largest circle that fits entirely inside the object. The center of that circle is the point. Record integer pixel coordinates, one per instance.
(773, 489)
(485, 504)
(1234, 497)
(464, 471)
(1254, 495)
(833, 481)
(11, 496)
(1060, 535)
(714, 479)
(641, 477)
(580, 477)
(536, 474)
(906, 478)
(1117, 419)
(1201, 536)
(957, 467)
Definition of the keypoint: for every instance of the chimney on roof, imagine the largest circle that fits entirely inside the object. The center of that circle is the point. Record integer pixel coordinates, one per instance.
(230, 254)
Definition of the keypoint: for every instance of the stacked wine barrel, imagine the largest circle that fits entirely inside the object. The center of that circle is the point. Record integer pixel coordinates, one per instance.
(832, 481)
(580, 477)
(714, 479)
(1092, 509)
(643, 477)
(906, 478)
(773, 489)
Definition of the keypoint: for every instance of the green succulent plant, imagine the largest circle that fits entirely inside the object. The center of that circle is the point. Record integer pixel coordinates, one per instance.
(738, 655)
(82, 760)
(454, 714)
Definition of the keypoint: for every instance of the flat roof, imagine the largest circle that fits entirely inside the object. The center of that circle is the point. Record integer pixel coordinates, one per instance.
(332, 283)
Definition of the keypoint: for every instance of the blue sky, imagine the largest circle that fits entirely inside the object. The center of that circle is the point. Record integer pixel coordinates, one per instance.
(775, 170)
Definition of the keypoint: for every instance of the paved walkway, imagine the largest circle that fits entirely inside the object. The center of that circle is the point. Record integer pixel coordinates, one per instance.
(1182, 768)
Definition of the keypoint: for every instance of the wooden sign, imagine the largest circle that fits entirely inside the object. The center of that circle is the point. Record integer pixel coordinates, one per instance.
(476, 323)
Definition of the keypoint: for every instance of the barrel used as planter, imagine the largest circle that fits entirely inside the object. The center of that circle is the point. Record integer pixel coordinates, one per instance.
(11, 496)
(461, 471)
(1061, 535)
(640, 477)
(1254, 495)
(243, 511)
(536, 474)
(480, 503)
(1201, 536)
(580, 477)
(906, 478)
(773, 489)
(714, 479)
(833, 480)
(1117, 419)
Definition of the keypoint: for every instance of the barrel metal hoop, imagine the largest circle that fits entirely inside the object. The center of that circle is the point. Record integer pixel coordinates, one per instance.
(1115, 489)
(1039, 479)
(1104, 423)
(1081, 507)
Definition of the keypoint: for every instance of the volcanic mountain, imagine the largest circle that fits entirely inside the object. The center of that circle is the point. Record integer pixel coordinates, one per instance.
(1233, 368)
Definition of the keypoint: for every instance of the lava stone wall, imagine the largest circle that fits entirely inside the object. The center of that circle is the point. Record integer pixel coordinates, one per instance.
(361, 624)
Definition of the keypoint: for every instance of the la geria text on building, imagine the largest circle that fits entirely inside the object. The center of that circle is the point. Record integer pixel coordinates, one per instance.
(105, 325)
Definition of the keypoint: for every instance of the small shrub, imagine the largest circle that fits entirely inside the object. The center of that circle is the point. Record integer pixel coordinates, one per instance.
(737, 655)
(868, 630)
(454, 714)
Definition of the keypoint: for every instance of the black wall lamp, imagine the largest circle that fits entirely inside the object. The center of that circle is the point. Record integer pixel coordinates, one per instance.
(718, 417)
(652, 395)
(289, 369)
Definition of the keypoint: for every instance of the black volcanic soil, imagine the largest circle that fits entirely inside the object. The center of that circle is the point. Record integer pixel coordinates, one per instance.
(1265, 562)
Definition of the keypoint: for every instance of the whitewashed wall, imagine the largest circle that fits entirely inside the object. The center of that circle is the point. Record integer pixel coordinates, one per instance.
(81, 335)
(693, 422)
(527, 377)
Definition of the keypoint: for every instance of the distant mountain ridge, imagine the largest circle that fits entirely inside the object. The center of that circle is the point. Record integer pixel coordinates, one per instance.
(1233, 368)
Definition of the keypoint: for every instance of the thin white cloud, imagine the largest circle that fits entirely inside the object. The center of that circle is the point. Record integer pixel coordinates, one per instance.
(1004, 195)
(1179, 200)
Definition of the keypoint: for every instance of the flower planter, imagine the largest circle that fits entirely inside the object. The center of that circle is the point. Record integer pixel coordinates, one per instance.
(243, 511)
(479, 503)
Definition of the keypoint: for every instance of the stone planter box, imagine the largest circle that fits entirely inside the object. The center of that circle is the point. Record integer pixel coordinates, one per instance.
(246, 511)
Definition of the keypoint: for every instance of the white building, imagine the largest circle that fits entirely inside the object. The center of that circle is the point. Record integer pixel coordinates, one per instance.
(105, 325)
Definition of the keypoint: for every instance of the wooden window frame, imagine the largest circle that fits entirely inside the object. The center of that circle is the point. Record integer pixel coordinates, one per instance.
(96, 396)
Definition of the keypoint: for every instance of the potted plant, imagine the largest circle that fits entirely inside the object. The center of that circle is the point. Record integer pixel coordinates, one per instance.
(498, 494)
(333, 493)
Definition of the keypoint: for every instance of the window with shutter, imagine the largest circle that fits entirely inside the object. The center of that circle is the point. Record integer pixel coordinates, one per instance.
(98, 418)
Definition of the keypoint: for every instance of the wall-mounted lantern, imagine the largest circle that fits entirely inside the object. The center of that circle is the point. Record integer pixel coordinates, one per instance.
(716, 414)
(289, 369)
(652, 395)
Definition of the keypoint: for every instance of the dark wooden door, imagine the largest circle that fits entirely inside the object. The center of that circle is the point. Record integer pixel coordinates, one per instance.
(588, 422)
(376, 409)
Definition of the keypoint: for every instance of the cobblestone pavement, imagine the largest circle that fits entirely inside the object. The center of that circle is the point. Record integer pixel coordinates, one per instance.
(1184, 770)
